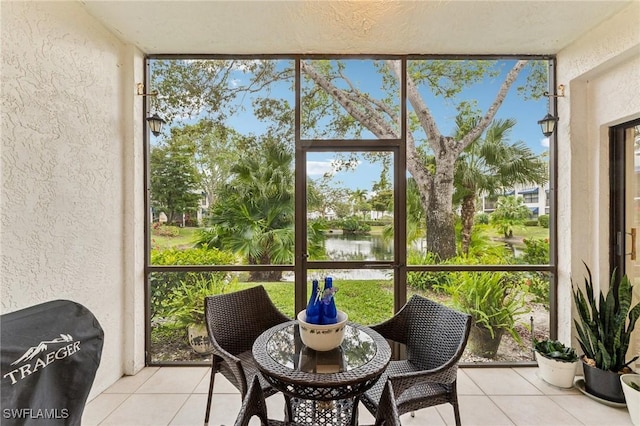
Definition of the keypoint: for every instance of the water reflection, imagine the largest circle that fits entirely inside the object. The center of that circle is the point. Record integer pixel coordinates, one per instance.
(358, 348)
(357, 247)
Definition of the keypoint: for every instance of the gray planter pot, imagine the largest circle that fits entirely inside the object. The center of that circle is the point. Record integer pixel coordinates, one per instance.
(602, 383)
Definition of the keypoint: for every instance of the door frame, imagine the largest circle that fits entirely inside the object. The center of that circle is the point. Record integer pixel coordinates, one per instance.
(617, 197)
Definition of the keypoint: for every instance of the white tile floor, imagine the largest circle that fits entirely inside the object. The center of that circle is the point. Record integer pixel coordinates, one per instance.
(488, 397)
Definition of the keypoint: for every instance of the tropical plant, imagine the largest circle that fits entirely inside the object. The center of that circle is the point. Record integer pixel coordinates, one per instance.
(554, 349)
(602, 327)
(536, 251)
(186, 301)
(489, 163)
(254, 215)
(360, 204)
(493, 299)
(510, 211)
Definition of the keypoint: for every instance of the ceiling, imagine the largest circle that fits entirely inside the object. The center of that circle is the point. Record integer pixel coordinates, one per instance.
(363, 27)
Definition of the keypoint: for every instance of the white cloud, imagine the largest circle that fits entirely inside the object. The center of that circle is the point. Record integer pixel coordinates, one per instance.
(545, 142)
(318, 168)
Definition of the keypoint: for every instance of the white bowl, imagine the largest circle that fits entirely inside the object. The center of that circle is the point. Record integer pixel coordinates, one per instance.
(322, 337)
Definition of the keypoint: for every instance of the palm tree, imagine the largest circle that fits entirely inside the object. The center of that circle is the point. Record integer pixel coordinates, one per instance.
(254, 214)
(489, 164)
(510, 211)
(359, 199)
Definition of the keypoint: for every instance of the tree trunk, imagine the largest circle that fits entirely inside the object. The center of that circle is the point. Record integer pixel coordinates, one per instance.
(467, 212)
(441, 234)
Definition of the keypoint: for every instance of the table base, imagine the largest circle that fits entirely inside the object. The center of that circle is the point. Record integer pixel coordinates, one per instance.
(309, 412)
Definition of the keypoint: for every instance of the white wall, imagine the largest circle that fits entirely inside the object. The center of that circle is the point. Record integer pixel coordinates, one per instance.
(71, 198)
(602, 73)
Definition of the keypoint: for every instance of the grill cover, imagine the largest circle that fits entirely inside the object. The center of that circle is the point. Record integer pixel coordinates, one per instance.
(50, 354)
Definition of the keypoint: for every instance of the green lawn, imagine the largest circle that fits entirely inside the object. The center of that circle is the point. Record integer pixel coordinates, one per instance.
(366, 301)
(184, 239)
(532, 232)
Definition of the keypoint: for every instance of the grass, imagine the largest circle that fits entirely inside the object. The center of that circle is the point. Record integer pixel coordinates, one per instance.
(366, 301)
(184, 239)
(533, 232)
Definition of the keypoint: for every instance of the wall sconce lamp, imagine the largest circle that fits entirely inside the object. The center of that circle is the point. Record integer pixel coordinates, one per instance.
(548, 123)
(155, 122)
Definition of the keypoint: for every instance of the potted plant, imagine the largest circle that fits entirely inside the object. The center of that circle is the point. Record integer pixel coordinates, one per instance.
(494, 301)
(186, 306)
(604, 328)
(631, 389)
(557, 363)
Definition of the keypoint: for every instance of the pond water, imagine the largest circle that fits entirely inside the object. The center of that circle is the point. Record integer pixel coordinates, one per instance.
(357, 247)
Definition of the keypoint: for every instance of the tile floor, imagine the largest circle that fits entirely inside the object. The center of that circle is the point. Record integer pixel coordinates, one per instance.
(488, 397)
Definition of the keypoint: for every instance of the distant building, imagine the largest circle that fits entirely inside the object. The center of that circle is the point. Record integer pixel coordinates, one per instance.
(535, 198)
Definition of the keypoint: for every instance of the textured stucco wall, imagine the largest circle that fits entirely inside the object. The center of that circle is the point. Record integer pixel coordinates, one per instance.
(67, 169)
(602, 74)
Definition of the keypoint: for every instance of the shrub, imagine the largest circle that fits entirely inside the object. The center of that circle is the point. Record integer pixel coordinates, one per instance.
(481, 219)
(532, 222)
(162, 230)
(424, 280)
(537, 284)
(354, 225)
(163, 283)
(493, 299)
(536, 251)
(543, 220)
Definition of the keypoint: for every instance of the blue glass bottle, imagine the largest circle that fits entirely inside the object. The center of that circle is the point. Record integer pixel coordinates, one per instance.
(328, 310)
(313, 307)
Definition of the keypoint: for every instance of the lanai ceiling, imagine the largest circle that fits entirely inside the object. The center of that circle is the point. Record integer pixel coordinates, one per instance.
(367, 27)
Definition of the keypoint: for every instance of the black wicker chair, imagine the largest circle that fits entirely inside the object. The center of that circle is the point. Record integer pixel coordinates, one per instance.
(254, 404)
(435, 337)
(387, 413)
(234, 321)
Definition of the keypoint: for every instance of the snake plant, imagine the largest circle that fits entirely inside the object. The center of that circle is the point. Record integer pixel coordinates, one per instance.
(603, 331)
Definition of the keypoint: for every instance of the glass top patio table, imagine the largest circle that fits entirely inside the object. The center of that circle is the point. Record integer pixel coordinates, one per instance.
(340, 375)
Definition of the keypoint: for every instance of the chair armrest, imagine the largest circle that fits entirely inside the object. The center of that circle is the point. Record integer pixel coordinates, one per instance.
(222, 353)
(443, 375)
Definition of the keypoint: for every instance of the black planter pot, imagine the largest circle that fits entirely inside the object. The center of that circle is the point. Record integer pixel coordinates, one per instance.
(602, 383)
(482, 344)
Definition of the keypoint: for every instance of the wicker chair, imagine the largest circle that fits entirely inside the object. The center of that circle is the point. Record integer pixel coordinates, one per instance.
(435, 337)
(254, 404)
(234, 321)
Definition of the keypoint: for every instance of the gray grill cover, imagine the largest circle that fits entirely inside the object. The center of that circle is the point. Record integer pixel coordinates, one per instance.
(50, 355)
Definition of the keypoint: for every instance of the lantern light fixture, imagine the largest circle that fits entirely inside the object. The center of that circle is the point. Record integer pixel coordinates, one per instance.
(155, 122)
(548, 123)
